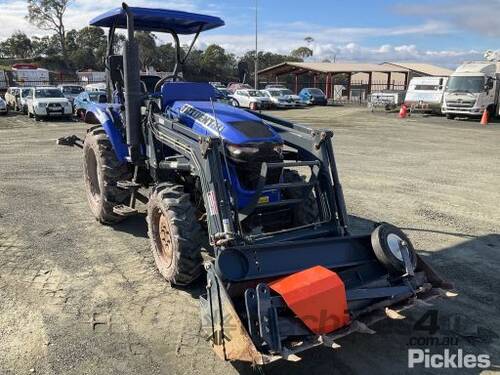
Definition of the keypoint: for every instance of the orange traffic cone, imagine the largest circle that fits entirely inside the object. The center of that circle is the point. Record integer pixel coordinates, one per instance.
(485, 118)
(403, 112)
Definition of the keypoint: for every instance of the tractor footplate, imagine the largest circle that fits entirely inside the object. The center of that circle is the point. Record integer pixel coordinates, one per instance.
(125, 211)
(128, 185)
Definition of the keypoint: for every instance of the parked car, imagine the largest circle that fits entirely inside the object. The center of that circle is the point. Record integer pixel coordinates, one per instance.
(3, 107)
(70, 91)
(22, 99)
(48, 102)
(278, 99)
(250, 98)
(95, 87)
(296, 99)
(313, 96)
(85, 99)
(275, 86)
(233, 86)
(11, 97)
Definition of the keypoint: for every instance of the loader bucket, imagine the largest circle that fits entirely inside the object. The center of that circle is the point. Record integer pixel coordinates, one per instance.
(222, 325)
(263, 320)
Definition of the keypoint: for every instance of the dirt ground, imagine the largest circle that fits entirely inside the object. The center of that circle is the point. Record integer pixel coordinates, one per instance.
(77, 297)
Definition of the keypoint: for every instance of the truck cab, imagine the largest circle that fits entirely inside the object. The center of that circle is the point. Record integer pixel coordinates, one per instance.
(471, 89)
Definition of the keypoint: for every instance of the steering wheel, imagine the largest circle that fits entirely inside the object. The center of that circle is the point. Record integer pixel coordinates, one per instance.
(173, 77)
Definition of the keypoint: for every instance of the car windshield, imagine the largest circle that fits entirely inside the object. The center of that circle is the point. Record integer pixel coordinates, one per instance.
(286, 92)
(72, 89)
(316, 92)
(48, 93)
(274, 93)
(98, 97)
(466, 84)
(25, 92)
(253, 93)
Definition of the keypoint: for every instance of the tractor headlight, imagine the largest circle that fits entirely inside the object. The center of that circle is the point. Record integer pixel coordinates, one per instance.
(255, 152)
(236, 150)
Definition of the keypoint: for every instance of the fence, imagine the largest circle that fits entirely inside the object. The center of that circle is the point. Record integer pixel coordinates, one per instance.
(342, 91)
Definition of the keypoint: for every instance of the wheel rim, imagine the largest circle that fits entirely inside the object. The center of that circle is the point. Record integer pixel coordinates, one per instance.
(92, 175)
(393, 242)
(164, 240)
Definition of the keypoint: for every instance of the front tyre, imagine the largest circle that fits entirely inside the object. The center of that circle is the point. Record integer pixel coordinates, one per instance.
(101, 171)
(175, 235)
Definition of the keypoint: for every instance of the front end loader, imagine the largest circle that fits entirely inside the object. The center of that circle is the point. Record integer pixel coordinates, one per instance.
(251, 202)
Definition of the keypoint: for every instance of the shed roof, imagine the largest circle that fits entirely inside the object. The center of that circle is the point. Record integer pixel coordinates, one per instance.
(319, 67)
(422, 68)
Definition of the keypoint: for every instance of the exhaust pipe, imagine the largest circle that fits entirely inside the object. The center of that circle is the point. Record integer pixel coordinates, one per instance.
(132, 83)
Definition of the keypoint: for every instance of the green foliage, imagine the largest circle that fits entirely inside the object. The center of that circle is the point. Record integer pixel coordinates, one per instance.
(302, 52)
(86, 49)
(17, 45)
(48, 15)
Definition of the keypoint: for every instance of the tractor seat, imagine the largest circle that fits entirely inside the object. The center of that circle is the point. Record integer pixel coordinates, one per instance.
(186, 91)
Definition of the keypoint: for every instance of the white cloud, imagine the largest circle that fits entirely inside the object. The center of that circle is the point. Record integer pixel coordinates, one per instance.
(478, 16)
(342, 43)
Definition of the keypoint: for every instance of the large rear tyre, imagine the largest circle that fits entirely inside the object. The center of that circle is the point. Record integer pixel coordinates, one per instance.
(101, 171)
(303, 213)
(175, 235)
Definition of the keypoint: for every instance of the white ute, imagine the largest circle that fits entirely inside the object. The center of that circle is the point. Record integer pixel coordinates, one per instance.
(48, 102)
(250, 98)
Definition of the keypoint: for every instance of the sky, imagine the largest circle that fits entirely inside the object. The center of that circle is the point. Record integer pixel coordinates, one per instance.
(443, 32)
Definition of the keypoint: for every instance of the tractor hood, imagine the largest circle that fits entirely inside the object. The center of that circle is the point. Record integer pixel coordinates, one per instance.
(234, 125)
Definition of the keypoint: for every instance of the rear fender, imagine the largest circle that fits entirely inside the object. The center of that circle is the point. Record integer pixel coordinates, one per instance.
(108, 117)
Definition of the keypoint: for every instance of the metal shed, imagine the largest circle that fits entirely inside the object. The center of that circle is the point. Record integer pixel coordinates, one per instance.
(328, 71)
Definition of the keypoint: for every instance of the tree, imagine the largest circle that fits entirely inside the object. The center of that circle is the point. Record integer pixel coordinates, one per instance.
(216, 64)
(90, 47)
(147, 49)
(46, 46)
(302, 52)
(48, 15)
(166, 57)
(18, 45)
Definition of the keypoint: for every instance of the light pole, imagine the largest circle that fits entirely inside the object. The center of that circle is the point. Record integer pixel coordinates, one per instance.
(256, 49)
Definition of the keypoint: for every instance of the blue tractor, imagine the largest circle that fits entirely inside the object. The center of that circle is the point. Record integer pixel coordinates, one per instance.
(251, 201)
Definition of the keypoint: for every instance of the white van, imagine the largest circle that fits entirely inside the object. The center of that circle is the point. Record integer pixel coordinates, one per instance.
(425, 94)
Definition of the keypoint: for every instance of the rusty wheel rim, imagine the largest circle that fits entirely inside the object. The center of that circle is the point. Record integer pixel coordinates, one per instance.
(165, 240)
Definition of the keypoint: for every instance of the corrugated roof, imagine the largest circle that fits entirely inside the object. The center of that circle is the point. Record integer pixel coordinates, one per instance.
(289, 67)
(423, 68)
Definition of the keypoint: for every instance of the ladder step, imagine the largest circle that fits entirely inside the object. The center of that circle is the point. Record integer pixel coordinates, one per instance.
(123, 210)
(128, 185)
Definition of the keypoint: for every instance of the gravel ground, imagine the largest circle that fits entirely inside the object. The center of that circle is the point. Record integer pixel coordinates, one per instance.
(80, 298)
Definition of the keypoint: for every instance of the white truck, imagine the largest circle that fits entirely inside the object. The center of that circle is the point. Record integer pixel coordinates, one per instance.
(425, 94)
(29, 75)
(471, 89)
